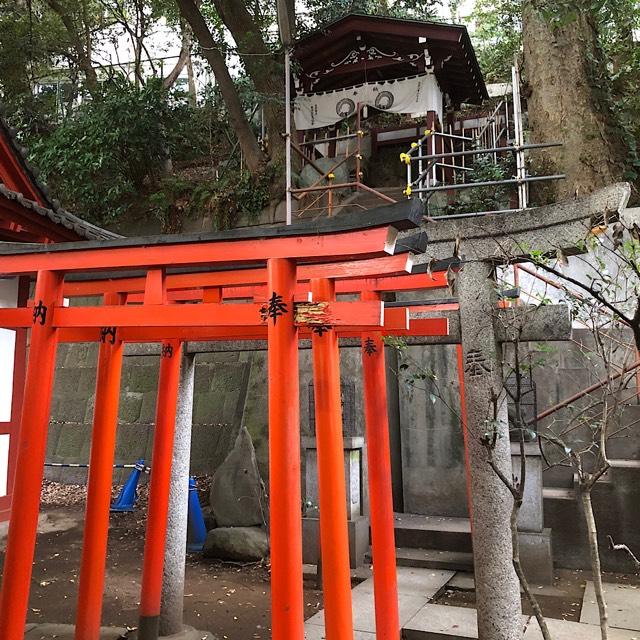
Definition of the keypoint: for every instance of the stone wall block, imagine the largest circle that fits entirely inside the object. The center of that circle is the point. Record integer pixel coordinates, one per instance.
(203, 378)
(130, 406)
(87, 382)
(71, 441)
(142, 378)
(148, 408)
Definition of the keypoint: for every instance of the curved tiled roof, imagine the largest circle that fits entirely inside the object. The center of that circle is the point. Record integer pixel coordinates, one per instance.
(52, 210)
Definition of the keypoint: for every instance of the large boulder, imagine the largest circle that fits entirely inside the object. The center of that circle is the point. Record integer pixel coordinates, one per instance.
(237, 495)
(244, 544)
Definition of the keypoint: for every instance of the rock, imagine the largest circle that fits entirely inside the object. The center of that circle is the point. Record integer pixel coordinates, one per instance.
(244, 544)
(236, 495)
(209, 518)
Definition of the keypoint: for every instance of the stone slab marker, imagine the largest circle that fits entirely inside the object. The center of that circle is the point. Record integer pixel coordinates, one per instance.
(171, 612)
(497, 588)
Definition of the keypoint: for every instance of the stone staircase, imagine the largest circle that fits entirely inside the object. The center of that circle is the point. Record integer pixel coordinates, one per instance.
(432, 542)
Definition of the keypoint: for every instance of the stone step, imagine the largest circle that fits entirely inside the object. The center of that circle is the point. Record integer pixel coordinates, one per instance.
(625, 464)
(432, 559)
(432, 532)
(558, 493)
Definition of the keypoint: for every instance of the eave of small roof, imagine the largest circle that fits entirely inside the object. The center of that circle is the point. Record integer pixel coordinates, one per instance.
(314, 41)
(50, 208)
(59, 216)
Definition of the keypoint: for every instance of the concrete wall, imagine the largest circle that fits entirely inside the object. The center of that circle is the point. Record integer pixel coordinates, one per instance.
(231, 389)
(224, 384)
(433, 471)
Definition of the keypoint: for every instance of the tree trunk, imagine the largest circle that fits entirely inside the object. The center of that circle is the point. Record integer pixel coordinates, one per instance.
(253, 155)
(81, 44)
(569, 102)
(265, 69)
(517, 565)
(183, 58)
(592, 534)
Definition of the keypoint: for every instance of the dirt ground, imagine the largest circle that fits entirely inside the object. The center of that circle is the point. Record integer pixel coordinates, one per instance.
(231, 601)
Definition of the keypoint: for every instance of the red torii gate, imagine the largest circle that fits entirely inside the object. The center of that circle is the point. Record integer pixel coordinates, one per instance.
(160, 318)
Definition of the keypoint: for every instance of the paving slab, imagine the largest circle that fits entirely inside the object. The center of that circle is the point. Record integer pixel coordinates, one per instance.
(414, 581)
(364, 618)
(314, 632)
(464, 581)
(441, 622)
(623, 604)
(565, 630)
(415, 588)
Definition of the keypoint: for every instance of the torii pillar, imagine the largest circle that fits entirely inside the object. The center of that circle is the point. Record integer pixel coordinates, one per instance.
(482, 244)
(486, 407)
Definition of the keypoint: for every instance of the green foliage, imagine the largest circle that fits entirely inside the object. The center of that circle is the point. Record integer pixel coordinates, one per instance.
(101, 156)
(224, 200)
(320, 12)
(497, 36)
(491, 198)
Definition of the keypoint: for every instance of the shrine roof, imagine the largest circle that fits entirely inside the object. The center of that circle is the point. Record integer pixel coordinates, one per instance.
(449, 45)
(401, 216)
(27, 211)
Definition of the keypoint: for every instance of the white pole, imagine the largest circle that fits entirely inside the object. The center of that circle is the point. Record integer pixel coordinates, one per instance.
(519, 135)
(287, 99)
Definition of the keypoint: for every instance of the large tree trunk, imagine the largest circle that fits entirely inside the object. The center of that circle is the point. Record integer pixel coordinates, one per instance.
(80, 37)
(253, 155)
(569, 102)
(265, 69)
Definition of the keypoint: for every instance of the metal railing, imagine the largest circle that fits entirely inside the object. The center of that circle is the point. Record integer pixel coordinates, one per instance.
(324, 188)
(438, 160)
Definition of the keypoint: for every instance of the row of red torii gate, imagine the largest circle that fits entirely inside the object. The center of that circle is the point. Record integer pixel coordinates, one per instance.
(318, 281)
(278, 284)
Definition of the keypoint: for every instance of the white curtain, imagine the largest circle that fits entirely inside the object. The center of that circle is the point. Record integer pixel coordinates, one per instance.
(417, 94)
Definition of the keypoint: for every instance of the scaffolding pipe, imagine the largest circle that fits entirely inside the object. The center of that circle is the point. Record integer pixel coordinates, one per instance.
(287, 86)
(472, 152)
(492, 183)
(332, 139)
(519, 135)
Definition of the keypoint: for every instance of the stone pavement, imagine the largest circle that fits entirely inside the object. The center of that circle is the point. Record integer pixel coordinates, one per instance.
(66, 632)
(415, 588)
(623, 606)
(564, 630)
(47, 631)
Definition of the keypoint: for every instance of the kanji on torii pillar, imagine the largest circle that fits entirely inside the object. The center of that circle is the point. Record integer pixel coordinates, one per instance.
(483, 243)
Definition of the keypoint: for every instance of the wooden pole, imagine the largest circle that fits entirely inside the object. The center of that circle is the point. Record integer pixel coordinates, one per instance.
(287, 619)
(334, 534)
(32, 446)
(150, 598)
(385, 582)
(103, 443)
